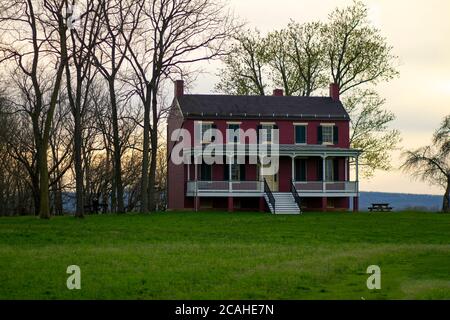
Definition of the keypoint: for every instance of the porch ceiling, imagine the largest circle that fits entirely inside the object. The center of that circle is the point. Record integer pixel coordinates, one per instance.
(283, 149)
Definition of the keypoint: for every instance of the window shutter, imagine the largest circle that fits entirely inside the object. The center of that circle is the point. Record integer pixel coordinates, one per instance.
(319, 170)
(242, 172)
(335, 135)
(197, 132)
(319, 135)
(213, 127)
(336, 169)
(226, 175)
(258, 129)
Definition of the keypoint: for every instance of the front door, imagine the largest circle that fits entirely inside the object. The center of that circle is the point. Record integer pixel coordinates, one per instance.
(272, 180)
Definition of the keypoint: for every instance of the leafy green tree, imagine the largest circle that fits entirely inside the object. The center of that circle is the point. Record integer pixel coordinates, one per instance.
(246, 66)
(307, 52)
(432, 163)
(370, 130)
(304, 58)
(356, 51)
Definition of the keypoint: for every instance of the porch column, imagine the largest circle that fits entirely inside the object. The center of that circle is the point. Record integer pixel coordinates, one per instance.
(346, 169)
(293, 168)
(230, 204)
(324, 163)
(197, 203)
(195, 171)
(230, 188)
(188, 172)
(356, 199)
(355, 204)
(197, 198)
(357, 172)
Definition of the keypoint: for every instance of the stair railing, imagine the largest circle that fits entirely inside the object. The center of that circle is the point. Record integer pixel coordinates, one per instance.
(269, 194)
(297, 198)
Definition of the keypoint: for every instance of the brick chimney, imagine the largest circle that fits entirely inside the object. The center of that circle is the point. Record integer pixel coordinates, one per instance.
(334, 91)
(278, 92)
(179, 88)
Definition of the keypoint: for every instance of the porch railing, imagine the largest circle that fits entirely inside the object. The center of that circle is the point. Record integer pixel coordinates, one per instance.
(194, 187)
(326, 186)
(302, 187)
(297, 198)
(269, 194)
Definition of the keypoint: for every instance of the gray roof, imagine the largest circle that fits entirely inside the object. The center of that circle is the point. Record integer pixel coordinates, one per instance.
(267, 107)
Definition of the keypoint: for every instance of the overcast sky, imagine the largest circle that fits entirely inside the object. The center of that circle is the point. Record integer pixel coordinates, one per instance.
(419, 31)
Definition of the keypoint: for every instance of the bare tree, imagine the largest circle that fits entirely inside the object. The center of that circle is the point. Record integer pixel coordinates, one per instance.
(432, 163)
(79, 76)
(172, 35)
(35, 39)
(121, 19)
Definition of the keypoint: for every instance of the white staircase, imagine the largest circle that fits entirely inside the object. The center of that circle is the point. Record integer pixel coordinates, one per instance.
(284, 203)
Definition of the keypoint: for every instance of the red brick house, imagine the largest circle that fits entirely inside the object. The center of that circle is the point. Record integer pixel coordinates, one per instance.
(317, 168)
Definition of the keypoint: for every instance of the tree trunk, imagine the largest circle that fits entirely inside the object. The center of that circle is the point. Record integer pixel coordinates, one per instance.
(44, 201)
(36, 194)
(145, 148)
(154, 153)
(79, 181)
(152, 173)
(118, 190)
(446, 201)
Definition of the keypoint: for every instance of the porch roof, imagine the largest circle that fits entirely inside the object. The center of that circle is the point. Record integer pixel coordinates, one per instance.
(283, 150)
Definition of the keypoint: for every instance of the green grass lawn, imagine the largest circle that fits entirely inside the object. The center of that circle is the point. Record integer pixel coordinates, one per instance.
(227, 256)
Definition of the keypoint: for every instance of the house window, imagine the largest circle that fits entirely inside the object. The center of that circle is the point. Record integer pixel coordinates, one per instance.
(235, 172)
(206, 132)
(233, 133)
(300, 134)
(266, 133)
(205, 172)
(329, 169)
(300, 169)
(327, 134)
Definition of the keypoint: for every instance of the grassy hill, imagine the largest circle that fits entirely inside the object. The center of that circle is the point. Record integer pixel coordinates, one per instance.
(227, 256)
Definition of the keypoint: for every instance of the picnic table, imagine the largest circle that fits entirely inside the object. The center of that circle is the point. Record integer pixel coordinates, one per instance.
(380, 207)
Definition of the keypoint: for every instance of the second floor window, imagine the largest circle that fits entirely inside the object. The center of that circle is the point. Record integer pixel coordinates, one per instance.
(206, 138)
(328, 134)
(265, 133)
(300, 134)
(233, 133)
(206, 132)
